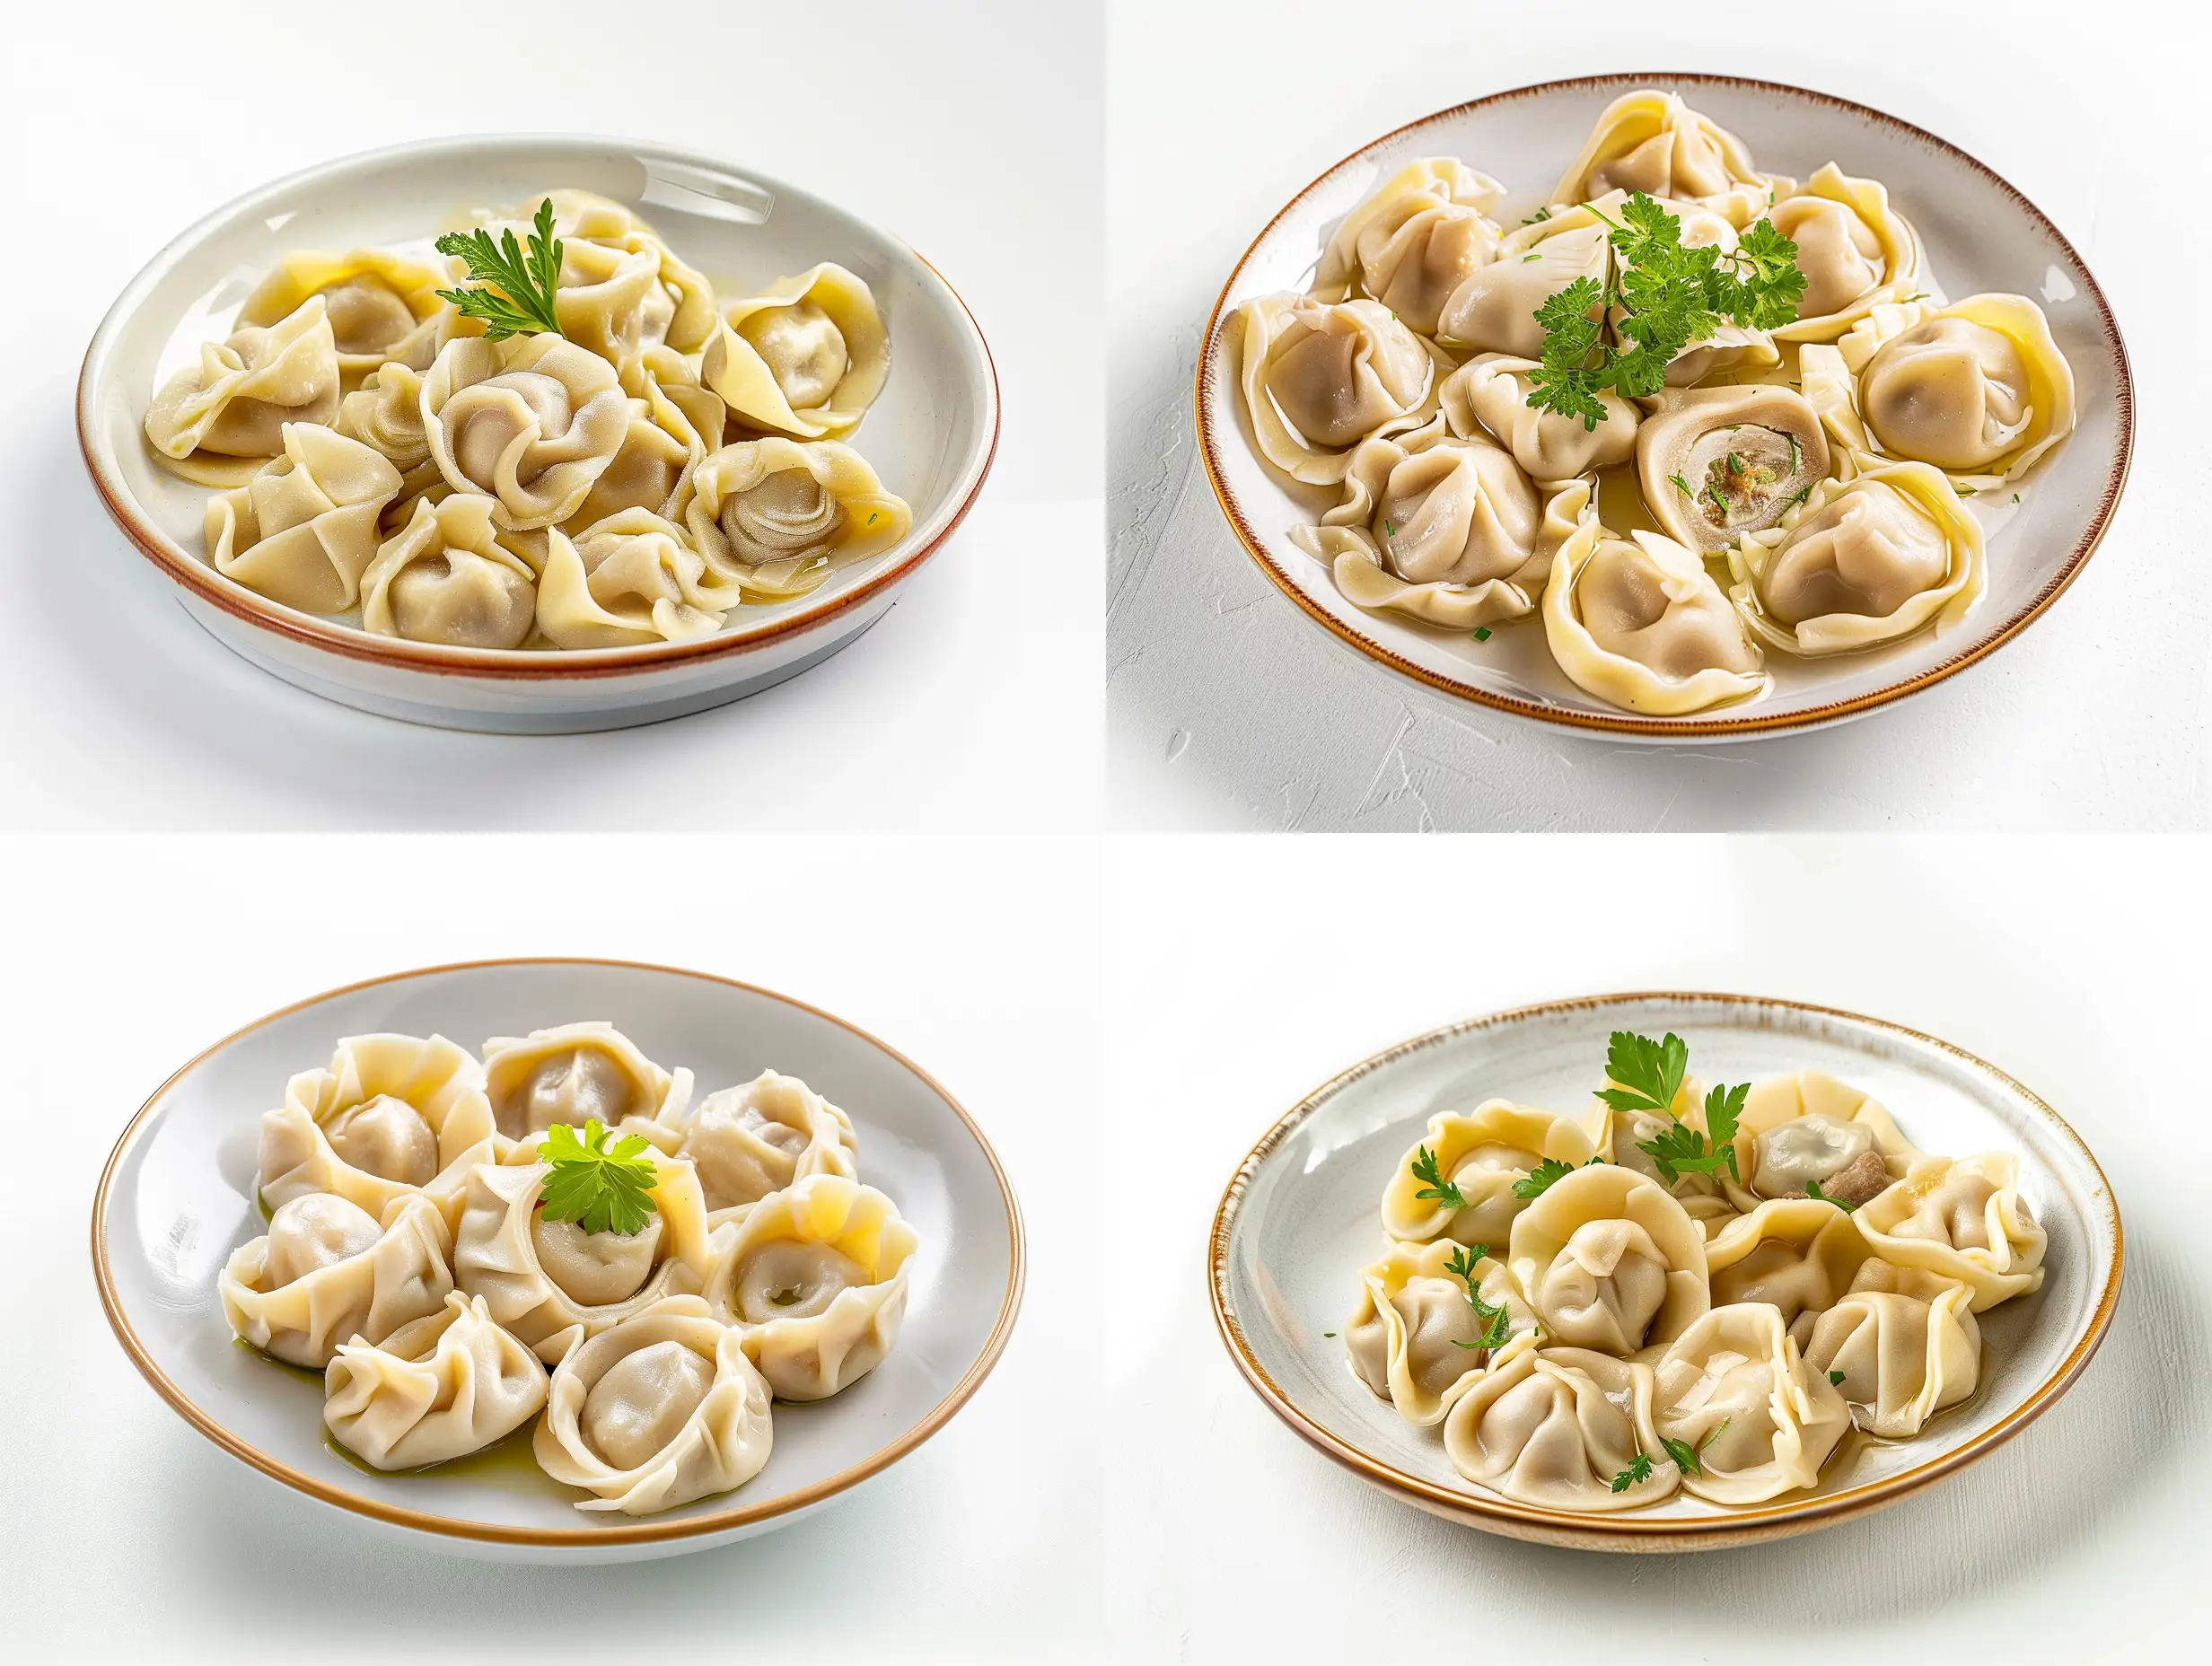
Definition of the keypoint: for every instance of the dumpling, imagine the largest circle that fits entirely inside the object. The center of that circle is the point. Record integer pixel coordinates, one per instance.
(1716, 463)
(777, 516)
(1852, 248)
(452, 575)
(806, 356)
(1319, 378)
(576, 1073)
(1797, 1254)
(532, 422)
(538, 1277)
(1608, 1261)
(1978, 388)
(303, 530)
(392, 1116)
(1414, 242)
(1627, 1132)
(1734, 1389)
(385, 414)
(632, 578)
(1906, 1343)
(1961, 1218)
(1809, 1128)
(1482, 1152)
(383, 309)
(1868, 562)
(1417, 1341)
(1495, 310)
(326, 1272)
(1728, 345)
(661, 1409)
(760, 1137)
(667, 437)
(1653, 143)
(436, 1389)
(815, 1276)
(214, 422)
(1556, 1427)
(579, 216)
(1644, 627)
(1489, 394)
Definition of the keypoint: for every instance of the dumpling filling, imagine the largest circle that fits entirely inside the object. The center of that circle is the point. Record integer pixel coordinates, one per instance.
(1817, 1150)
(387, 1138)
(366, 317)
(572, 1087)
(595, 1269)
(795, 1281)
(804, 349)
(644, 1401)
(312, 1233)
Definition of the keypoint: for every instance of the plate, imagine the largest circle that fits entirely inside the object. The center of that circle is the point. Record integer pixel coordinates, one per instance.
(930, 435)
(1978, 233)
(178, 1196)
(1299, 1221)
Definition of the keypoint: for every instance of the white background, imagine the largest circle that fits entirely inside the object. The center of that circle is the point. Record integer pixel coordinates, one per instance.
(1243, 975)
(1230, 709)
(124, 1534)
(971, 130)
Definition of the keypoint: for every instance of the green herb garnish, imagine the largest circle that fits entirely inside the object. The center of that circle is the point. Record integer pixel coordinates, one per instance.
(1962, 490)
(1650, 1075)
(1688, 1458)
(517, 299)
(1461, 1264)
(1683, 485)
(1546, 1174)
(1435, 1187)
(1541, 214)
(602, 1189)
(1835, 1379)
(1638, 1469)
(1482, 633)
(1814, 1191)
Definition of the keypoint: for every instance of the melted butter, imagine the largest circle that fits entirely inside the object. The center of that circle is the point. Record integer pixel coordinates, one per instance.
(508, 1463)
(305, 1374)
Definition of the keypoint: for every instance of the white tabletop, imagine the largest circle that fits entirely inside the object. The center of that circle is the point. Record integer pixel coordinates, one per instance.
(1243, 974)
(126, 1534)
(1230, 709)
(127, 121)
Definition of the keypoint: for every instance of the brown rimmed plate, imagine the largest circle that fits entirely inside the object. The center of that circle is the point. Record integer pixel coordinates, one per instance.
(179, 1194)
(1979, 234)
(1299, 1220)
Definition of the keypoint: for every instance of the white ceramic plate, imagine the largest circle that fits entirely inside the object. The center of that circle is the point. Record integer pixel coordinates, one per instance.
(1299, 1220)
(930, 435)
(178, 1196)
(1978, 234)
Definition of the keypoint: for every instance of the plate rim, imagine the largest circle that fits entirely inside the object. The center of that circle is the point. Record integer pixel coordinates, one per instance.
(1623, 1531)
(513, 665)
(1749, 723)
(642, 1530)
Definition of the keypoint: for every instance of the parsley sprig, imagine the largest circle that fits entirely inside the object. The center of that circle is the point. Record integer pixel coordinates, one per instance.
(1461, 1264)
(1638, 1469)
(602, 1189)
(1668, 297)
(1540, 1179)
(1814, 1191)
(1650, 1074)
(517, 296)
(1435, 1187)
(1688, 1458)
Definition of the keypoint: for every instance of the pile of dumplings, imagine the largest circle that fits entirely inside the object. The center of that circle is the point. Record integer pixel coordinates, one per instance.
(661, 460)
(1737, 1314)
(1805, 491)
(408, 1261)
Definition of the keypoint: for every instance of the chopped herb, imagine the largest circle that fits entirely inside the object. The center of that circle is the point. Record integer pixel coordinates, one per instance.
(1961, 488)
(1814, 1191)
(1798, 496)
(1796, 455)
(2015, 497)
(1461, 1264)
(1533, 254)
(1541, 214)
(1835, 1379)
(1328, 1333)
(1687, 1458)
(1390, 529)
(517, 296)
(1540, 1179)
(1638, 1469)
(1435, 1187)
(602, 1189)
(1482, 633)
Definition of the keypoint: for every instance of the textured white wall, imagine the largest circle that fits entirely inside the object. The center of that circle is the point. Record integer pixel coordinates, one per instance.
(1230, 709)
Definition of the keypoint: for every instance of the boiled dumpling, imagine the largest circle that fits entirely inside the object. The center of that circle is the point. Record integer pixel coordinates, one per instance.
(1734, 1387)
(1417, 1341)
(632, 578)
(1961, 1218)
(1489, 394)
(390, 1117)
(806, 356)
(1557, 1426)
(576, 1074)
(816, 1277)
(1810, 1128)
(532, 422)
(669, 433)
(539, 1276)
(1794, 1253)
(1483, 1153)
(214, 422)
(1905, 1343)
(1716, 463)
(303, 530)
(580, 218)
(326, 1272)
(1495, 310)
(777, 516)
(1414, 242)
(1852, 248)
(1319, 378)
(1625, 1132)
(385, 414)
(1653, 143)
(1868, 562)
(1644, 627)
(1608, 1261)
(760, 1137)
(435, 1389)
(383, 309)
(452, 575)
(657, 1411)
